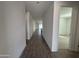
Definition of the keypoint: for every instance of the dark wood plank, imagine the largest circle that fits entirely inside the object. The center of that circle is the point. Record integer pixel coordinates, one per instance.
(37, 48)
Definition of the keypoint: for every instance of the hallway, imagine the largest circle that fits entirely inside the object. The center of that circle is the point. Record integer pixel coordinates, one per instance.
(37, 48)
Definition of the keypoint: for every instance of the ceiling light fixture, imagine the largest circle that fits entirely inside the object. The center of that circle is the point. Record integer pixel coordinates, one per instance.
(37, 2)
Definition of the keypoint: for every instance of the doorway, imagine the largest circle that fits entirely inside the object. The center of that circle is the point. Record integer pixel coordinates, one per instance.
(64, 27)
(40, 26)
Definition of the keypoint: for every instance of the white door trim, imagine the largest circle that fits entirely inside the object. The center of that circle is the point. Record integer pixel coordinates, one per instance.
(73, 25)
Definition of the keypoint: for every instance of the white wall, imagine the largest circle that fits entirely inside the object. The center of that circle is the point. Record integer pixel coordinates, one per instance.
(50, 29)
(27, 16)
(55, 27)
(51, 26)
(3, 40)
(77, 34)
(14, 13)
(48, 26)
(30, 28)
(31, 25)
(34, 26)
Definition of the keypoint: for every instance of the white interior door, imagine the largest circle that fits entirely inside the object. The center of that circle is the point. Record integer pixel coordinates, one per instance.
(74, 31)
(65, 18)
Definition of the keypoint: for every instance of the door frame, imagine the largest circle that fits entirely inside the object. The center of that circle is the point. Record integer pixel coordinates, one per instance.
(70, 22)
(73, 24)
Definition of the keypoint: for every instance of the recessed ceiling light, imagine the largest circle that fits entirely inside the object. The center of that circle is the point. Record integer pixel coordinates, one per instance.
(37, 2)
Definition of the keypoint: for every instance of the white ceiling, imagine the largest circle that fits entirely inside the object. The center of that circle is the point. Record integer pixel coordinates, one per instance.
(37, 10)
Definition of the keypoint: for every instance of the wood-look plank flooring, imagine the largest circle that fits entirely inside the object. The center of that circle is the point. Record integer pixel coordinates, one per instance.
(37, 48)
